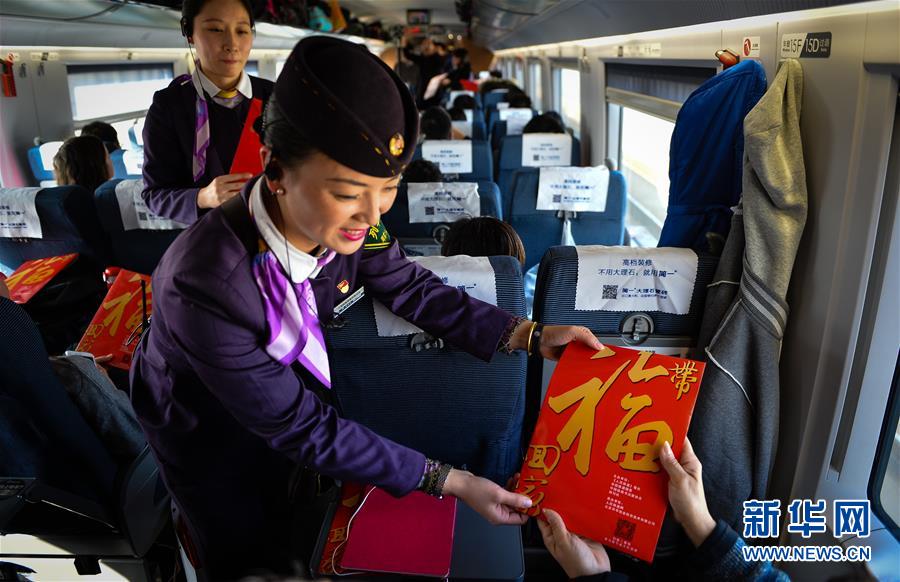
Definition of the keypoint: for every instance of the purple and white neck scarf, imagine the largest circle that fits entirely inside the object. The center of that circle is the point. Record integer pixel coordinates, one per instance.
(292, 319)
(230, 99)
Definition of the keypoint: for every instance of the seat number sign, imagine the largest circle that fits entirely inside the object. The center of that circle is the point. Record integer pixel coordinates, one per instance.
(806, 45)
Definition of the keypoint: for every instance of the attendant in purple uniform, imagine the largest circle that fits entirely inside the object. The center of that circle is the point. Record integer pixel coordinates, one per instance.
(194, 125)
(229, 382)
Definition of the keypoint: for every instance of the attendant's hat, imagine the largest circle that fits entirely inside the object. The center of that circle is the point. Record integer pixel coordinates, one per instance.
(349, 104)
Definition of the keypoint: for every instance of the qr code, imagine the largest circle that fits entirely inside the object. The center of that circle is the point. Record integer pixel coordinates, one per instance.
(536, 157)
(625, 529)
(429, 211)
(141, 216)
(610, 291)
(557, 198)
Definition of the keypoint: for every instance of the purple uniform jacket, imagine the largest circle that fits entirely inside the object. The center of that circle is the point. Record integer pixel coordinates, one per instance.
(227, 423)
(169, 186)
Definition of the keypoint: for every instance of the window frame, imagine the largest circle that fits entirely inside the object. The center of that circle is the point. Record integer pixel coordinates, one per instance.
(886, 442)
(537, 97)
(79, 123)
(556, 68)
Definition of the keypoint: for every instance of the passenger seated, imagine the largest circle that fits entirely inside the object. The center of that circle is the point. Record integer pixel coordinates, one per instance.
(544, 123)
(422, 171)
(456, 114)
(436, 123)
(82, 161)
(105, 133)
(484, 236)
(105, 408)
(718, 554)
(518, 100)
(464, 102)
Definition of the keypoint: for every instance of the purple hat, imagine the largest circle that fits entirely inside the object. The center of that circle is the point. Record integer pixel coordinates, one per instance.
(350, 105)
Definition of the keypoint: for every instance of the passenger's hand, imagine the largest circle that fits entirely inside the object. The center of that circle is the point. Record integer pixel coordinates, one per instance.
(221, 189)
(578, 556)
(101, 362)
(494, 503)
(686, 492)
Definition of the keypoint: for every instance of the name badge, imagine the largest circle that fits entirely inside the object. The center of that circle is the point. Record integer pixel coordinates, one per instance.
(573, 189)
(18, 213)
(134, 211)
(546, 149)
(451, 156)
(442, 202)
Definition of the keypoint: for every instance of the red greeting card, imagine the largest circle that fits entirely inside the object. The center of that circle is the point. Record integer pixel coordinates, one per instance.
(32, 276)
(594, 454)
(333, 550)
(246, 157)
(117, 319)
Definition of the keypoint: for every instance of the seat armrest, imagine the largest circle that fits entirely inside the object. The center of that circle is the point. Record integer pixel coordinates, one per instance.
(17, 493)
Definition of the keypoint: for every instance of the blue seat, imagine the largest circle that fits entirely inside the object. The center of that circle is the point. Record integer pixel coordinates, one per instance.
(479, 131)
(396, 220)
(62, 483)
(120, 170)
(510, 160)
(482, 164)
(69, 224)
(542, 229)
(490, 100)
(136, 250)
(439, 390)
(40, 173)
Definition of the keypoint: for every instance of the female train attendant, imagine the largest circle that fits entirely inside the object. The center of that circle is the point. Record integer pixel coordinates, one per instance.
(226, 382)
(194, 125)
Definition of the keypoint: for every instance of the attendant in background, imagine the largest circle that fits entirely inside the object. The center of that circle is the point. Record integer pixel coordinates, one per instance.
(105, 133)
(460, 69)
(82, 161)
(194, 125)
(428, 60)
(484, 236)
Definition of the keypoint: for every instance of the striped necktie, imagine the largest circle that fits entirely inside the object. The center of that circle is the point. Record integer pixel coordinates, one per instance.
(230, 99)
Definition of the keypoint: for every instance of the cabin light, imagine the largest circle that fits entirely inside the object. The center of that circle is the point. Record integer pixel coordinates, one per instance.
(458, 37)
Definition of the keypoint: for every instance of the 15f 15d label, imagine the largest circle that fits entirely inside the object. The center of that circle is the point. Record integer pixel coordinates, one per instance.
(806, 45)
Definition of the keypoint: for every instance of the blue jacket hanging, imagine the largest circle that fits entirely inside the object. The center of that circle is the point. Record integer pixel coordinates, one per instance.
(705, 157)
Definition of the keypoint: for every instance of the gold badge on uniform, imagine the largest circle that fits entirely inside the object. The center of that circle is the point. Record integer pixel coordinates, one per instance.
(396, 145)
(344, 286)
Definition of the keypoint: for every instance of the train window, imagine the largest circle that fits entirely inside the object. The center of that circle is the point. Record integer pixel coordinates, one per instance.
(518, 72)
(567, 96)
(535, 89)
(886, 476)
(252, 68)
(278, 66)
(644, 160)
(92, 86)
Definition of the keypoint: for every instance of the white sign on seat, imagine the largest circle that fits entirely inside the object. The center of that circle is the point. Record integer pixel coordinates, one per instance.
(48, 152)
(546, 149)
(516, 119)
(635, 279)
(134, 212)
(470, 115)
(573, 189)
(18, 213)
(464, 127)
(474, 275)
(455, 94)
(451, 156)
(442, 201)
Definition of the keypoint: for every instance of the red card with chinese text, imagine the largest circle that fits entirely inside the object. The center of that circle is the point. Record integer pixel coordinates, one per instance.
(117, 319)
(333, 550)
(594, 455)
(246, 157)
(32, 276)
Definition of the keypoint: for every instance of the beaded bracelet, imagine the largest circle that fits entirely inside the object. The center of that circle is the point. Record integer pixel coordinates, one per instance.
(433, 478)
(505, 339)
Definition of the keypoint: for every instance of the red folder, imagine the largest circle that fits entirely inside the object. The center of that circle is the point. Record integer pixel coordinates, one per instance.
(410, 535)
(246, 157)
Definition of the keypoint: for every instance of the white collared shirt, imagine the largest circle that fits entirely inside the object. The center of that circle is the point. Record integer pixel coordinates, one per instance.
(244, 87)
(297, 264)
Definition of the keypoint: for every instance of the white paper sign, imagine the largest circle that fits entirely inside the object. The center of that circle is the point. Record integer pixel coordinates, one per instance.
(134, 212)
(464, 127)
(516, 119)
(452, 156)
(635, 279)
(18, 213)
(470, 115)
(442, 201)
(474, 275)
(574, 189)
(546, 149)
(48, 152)
(502, 105)
(455, 94)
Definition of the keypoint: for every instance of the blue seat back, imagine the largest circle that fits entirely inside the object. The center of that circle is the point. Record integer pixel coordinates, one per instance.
(424, 399)
(607, 227)
(490, 100)
(396, 220)
(482, 164)
(479, 132)
(118, 161)
(510, 160)
(136, 250)
(36, 163)
(538, 229)
(69, 225)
